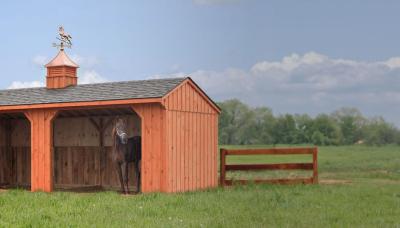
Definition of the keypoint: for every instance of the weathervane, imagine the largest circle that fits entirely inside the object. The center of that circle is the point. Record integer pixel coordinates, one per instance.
(65, 39)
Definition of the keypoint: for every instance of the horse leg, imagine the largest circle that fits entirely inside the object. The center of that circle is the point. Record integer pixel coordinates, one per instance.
(123, 173)
(138, 176)
(127, 177)
(119, 169)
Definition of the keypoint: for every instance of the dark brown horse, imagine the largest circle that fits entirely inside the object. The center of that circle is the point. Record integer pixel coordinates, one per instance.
(126, 150)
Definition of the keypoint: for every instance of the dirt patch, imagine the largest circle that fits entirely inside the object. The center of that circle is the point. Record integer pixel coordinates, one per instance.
(334, 181)
(385, 181)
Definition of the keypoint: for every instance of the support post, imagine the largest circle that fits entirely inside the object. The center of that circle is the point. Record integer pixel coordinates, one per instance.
(222, 167)
(12, 169)
(315, 165)
(41, 149)
(101, 127)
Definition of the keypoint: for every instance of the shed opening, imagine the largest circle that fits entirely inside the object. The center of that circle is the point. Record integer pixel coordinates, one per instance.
(15, 151)
(82, 145)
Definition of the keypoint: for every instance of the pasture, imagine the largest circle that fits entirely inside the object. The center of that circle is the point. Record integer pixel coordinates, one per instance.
(360, 187)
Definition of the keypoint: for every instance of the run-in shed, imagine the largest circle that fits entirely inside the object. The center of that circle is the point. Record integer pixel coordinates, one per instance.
(58, 136)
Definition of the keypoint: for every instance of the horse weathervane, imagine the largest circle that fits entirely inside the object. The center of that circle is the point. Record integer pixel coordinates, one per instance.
(65, 39)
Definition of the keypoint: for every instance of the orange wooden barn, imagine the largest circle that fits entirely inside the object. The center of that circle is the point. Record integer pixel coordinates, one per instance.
(58, 136)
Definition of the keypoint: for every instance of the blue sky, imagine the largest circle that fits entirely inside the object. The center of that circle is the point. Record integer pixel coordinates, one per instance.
(293, 56)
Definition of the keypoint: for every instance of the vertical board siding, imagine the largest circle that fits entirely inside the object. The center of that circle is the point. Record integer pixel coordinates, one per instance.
(15, 166)
(153, 133)
(192, 150)
(79, 166)
(192, 144)
(187, 97)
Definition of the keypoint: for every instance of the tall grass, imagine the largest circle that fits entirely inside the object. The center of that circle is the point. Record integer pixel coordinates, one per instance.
(371, 199)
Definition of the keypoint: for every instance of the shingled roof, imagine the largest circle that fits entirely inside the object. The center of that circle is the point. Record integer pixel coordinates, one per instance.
(154, 88)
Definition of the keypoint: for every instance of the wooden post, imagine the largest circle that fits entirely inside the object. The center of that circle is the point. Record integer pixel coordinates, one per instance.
(101, 144)
(222, 167)
(41, 149)
(101, 127)
(12, 169)
(315, 165)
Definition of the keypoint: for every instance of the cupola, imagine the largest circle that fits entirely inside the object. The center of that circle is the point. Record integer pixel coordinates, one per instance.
(61, 71)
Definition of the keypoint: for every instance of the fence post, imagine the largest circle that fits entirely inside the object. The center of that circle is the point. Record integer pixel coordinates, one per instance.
(222, 167)
(315, 165)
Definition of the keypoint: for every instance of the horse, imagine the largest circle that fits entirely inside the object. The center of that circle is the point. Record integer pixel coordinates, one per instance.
(64, 36)
(126, 150)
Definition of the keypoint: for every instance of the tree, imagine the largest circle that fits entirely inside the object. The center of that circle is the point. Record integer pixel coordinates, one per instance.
(304, 126)
(235, 122)
(351, 122)
(285, 131)
(329, 130)
(241, 124)
(264, 125)
(378, 132)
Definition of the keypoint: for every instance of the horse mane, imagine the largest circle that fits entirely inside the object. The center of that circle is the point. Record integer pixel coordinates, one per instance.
(114, 136)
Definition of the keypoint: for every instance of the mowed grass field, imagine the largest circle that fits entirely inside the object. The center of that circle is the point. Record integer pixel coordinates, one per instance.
(360, 187)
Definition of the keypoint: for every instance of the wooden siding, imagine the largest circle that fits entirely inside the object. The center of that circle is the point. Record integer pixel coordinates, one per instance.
(79, 131)
(153, 146)
(15, 159)
(83, 166)
(74, 167)
(15, 166)
(189, 98)
(192, 139)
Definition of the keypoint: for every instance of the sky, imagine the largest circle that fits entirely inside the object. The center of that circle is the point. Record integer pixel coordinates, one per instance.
(292, 56)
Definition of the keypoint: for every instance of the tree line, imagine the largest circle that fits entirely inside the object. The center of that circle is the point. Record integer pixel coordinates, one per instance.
(240, 124)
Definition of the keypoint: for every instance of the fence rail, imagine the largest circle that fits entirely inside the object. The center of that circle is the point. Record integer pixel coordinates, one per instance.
(281, 166)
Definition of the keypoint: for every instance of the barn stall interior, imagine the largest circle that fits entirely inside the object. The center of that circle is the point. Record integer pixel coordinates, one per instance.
(60, 134)
(15, 156)
(82, 147)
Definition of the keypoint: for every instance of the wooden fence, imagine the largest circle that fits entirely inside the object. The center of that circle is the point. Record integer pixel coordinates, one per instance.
(282, 166)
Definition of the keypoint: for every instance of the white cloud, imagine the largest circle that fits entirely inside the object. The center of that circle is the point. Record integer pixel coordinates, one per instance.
(90, 76)
(393, 62)
(19, 84)
(310, 83)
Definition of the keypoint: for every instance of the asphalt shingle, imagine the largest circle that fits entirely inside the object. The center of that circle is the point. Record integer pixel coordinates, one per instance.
(153, 88)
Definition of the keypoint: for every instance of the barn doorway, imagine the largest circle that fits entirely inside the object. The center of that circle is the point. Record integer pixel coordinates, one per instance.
(82, 145)
(15, 151)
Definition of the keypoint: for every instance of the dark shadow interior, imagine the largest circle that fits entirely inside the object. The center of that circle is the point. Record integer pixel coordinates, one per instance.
(15, 151)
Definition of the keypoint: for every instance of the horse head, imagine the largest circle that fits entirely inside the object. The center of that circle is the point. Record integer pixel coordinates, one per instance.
(120, 130)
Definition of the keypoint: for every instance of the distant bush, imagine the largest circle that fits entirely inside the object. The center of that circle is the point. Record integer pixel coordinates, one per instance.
(241, 124)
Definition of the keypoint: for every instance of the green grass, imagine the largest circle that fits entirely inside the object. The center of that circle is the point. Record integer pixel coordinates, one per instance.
(366, 194)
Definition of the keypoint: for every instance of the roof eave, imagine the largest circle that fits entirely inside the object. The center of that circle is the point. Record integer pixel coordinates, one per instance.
(81, 104)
